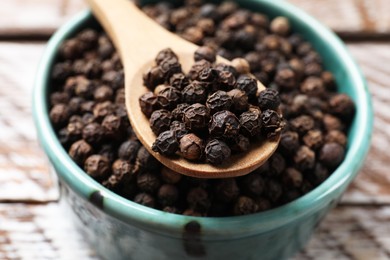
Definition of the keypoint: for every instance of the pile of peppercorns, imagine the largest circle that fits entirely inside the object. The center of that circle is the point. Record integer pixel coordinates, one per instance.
(212, 108)
(88, 113)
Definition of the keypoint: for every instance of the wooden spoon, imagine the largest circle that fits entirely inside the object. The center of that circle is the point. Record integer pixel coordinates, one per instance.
(138, 39)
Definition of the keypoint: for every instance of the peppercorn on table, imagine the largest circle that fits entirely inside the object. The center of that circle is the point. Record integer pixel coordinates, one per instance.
(32, 225)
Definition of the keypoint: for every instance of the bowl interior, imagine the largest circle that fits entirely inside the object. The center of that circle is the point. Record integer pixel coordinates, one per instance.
(336, 59)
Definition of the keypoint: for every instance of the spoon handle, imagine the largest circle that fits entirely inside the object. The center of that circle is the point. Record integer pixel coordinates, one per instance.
(137, 37)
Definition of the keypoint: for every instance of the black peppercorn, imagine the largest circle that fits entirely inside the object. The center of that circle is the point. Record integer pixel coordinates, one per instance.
(167, 195)
(218, 101)
(168, 67)
(197, 67)
(226, 80)
(97, 166)
(165, 54)
(191, 147)
(304, 158)
(272, 123)
(331, 154)
(342, 106)
(148, 103)
(224, 124)
(160, 121)
(79, 151)
(248, 85)
(226, 190)
(179, 81)
(59, 114)
(128, 150)
(93, 133)
(166, 143)
(217, 152)
(244, 206)
(196, 117)
(239, 100)
(168, 98)
(145, 199)
(195, 92)
(205, 53)
(148, 182)
(250, 123)
(268, 99)
(153, 77)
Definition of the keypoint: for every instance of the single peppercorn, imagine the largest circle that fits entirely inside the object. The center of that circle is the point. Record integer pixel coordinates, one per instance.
(195, 92)
(272, 123)
(160, 121)
(247, 84)
(59, 114)
(196, 117)
(205, 53)
(128, 150)
(218, 101)
(313, 139)
(148, 182)
(169, 67)
(191, 147)
(226, 80)
(145, 199)
(224, 124)
(250, 123)
(146, 161)
(112, 127)
(153, 77)
(97, 166)
(166, 143)
(289, 142)
(304, 158)
(268, 99)
(217, 152)
(93, 133)
(168, 98)
(79, 151)
(239, 100)
(197, 67)
(244, 206)
(342, 106)
(148, 103)
(167, 195)
(331, 154)
(165, 54)
(179, 81)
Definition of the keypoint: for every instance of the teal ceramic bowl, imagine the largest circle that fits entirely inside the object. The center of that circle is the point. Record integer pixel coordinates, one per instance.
(120, 229)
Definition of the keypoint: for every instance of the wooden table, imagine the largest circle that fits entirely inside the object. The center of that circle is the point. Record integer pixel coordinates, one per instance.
(31, 222)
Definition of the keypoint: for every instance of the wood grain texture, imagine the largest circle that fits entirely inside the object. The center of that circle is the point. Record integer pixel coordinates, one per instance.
(361, 17)
(35, 17)
(347, 17)
(373, 183)
(24, 171)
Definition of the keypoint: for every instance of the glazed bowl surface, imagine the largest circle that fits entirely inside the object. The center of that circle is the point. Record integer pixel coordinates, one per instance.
(120, 229)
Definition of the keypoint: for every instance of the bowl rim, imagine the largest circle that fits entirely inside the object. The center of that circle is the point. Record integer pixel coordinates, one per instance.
(167, 223)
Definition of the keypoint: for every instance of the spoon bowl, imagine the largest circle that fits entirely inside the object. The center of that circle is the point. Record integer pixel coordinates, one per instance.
(122, 20)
